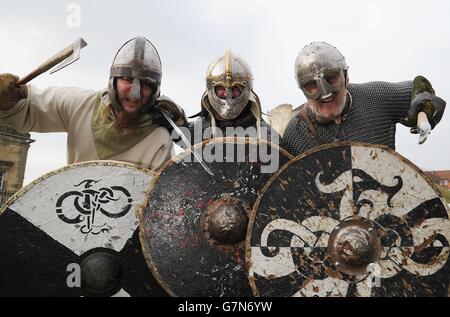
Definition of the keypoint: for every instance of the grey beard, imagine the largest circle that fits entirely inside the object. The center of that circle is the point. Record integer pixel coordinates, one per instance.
(319, 118)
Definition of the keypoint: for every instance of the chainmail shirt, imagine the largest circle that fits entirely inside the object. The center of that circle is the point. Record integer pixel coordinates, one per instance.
(375, 109)
(198, 127)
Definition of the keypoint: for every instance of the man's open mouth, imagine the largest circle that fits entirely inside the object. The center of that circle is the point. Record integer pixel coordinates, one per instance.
(132, 101)
(328, 100)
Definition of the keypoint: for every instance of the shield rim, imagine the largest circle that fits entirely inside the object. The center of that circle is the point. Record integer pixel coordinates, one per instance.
(252, 213)
(175, 160)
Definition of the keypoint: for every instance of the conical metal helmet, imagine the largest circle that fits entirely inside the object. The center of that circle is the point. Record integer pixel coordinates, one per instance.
(230, 72)
(137, 59)
(315, 65)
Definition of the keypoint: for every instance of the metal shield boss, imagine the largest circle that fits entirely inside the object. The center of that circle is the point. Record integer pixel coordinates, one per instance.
(194, 224)
(349, 219)
(74, 232)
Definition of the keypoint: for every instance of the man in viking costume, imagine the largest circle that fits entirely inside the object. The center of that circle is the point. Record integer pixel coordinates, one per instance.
(338, 111)
(122, 122)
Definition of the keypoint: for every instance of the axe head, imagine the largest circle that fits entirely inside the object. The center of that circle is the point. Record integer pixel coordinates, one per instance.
(76, 46)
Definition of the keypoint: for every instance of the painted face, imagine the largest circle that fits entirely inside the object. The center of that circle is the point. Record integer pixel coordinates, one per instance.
(124, 86)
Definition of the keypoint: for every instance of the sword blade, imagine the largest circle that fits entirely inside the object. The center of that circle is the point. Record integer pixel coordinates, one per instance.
(167, 115)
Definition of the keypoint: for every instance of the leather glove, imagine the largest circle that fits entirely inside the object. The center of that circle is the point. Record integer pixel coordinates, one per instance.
(424, 100)
(10, 94)
(177, 113)
(433, 106)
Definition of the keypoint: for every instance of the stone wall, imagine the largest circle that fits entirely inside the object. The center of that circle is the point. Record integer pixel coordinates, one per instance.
(13, 156)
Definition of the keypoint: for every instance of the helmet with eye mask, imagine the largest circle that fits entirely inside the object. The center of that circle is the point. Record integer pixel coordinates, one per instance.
(320, 71)
(229, 82)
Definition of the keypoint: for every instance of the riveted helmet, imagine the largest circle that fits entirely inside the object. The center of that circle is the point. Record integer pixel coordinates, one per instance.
(138, 60)
(320, 70)
(229, 81)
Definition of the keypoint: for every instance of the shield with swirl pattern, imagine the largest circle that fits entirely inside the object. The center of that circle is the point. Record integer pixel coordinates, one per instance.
(349, 219)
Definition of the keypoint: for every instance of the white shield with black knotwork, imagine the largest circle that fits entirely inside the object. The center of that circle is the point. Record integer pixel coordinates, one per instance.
(349, 219)
(194, 224)
(74, 232)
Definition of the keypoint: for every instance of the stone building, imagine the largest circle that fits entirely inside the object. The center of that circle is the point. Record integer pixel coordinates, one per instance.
(13, 158)
(440, 177)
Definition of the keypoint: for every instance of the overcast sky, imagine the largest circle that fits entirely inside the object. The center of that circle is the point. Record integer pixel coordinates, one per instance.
(381, 40)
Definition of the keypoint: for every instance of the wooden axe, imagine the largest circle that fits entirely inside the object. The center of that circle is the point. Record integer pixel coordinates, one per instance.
(66, 57)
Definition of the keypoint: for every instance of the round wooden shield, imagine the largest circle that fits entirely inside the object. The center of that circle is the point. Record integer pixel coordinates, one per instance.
(74, 232)
(349, 219)
(194, 224)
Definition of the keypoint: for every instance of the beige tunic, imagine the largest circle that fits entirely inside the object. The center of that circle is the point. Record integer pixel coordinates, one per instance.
(68, 109)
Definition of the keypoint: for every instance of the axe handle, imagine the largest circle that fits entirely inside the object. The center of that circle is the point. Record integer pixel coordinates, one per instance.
(421, 117)
(56, 59)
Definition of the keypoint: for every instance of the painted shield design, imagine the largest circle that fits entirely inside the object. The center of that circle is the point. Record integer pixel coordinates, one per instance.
(74, 232)
(349, 219)
(194, 224)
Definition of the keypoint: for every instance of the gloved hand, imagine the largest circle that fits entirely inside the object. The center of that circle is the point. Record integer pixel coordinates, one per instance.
(433, 106)
(177, 113)
(424, 100)
(10, 94)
